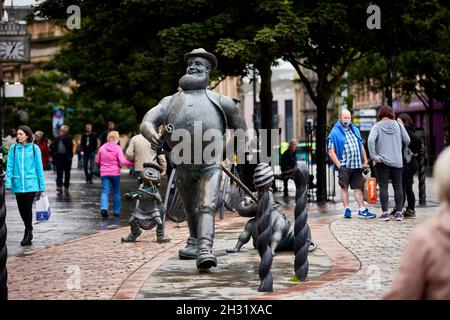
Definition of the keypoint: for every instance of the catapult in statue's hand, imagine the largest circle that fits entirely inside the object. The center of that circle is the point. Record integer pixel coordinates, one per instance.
(156, 142)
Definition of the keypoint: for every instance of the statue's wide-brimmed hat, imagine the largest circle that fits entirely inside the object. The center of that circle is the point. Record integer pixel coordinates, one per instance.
(152, 165)
(200, 52)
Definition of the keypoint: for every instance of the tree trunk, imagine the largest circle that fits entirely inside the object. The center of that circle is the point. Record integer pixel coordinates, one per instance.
(431, 137)
(265, 98)
(321, 155)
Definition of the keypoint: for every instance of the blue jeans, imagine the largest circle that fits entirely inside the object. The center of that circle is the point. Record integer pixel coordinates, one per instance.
(107, 181)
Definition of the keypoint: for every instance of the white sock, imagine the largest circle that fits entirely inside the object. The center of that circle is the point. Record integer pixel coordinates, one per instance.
(362, 209)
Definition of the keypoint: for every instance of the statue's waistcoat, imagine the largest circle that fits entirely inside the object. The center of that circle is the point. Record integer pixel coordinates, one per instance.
(188, 107)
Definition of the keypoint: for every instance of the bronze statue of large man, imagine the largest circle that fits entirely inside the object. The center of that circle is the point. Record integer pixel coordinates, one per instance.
(197, 182)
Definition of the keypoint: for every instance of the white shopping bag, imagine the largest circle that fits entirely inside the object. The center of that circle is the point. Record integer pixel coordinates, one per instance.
(43, 211)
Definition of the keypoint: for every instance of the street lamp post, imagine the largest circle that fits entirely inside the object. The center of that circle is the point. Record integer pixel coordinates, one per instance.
(389, 76)
(3, 233)
(15, 43)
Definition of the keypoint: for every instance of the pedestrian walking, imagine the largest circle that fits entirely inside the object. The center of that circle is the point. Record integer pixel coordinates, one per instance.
(110, 158)
(140, 151)
(345, 149)
(288, 163)
(386, 139)
(43, 146)
(25, 177)
(88, 149)
(423, 272)
(77, 150)
(11, 138)
(62, 153)
(410, 165)
(104, 136)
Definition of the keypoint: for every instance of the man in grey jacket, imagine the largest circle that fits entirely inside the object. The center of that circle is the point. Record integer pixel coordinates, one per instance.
(386, 141)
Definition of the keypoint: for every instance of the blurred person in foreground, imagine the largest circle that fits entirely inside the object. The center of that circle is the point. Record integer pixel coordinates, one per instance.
(424, 271)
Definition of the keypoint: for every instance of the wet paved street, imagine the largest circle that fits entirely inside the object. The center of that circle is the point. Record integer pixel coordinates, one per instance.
(73, 215)
(378, 245)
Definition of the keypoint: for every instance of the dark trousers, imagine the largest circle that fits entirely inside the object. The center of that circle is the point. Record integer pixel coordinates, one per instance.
(384, 173)
(285, 187)
(137, 175)
(408, 180)
(25, 204)
(88, 165)
(199, 186)
(63, 167)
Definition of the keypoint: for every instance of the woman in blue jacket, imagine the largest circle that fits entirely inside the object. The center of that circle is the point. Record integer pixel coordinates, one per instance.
(25, 177)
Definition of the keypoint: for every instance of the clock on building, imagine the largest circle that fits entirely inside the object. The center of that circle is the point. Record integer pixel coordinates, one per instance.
(14, 49)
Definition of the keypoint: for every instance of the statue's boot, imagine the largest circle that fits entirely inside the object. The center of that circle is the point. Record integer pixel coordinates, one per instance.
(191, 249)
(160, 237)
(135, 231)
(205, 231)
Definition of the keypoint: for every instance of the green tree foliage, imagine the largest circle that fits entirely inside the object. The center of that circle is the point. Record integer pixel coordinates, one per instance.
(46, 90)
(131, 52)
(421, 70)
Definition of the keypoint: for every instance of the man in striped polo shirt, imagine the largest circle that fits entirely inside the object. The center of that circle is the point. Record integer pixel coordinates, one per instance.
(349, 157)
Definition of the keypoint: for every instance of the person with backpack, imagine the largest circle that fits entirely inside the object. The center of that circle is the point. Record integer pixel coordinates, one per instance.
(25, 177)
(410, 165)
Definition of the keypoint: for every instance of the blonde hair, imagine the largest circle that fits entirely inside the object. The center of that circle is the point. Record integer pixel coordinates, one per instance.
(113, 135)
(441, 175)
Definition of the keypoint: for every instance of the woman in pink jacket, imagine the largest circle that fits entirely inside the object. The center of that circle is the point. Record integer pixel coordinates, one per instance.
(110, 158)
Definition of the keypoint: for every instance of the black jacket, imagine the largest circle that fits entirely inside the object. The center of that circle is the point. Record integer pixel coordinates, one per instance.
(88, 143)
(68, 143)
(416, 142)
(288, 160)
